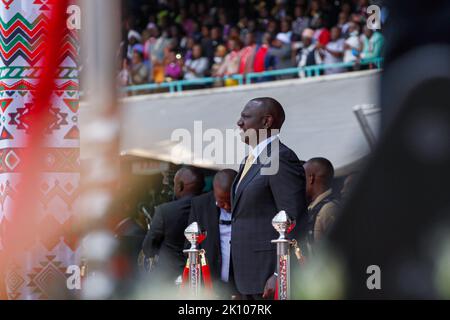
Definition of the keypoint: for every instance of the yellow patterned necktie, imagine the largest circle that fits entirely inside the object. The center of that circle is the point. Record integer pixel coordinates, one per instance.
(248, 165)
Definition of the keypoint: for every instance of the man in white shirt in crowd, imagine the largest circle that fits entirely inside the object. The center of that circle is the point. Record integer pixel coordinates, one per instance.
(352, 46)
(333, 52)
(307, 54)
(196, 67)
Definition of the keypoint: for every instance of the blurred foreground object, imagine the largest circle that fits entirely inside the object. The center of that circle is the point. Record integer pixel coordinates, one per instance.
(39, 147)
(397, 219)
(283, 224)
(108, 267)
(193, 272)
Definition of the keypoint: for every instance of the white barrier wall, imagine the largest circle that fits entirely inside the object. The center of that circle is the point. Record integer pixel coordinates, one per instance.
(319, 117)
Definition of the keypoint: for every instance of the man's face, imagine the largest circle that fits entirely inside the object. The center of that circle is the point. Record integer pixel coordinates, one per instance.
(215, 35)
(223, 199)
(368, 33)
(335, 33)
(197, 51)
(136, 58)
(250, 122)
(306, 41)
(343, 18)
(249, 39)
(205, 32)
(231, 45)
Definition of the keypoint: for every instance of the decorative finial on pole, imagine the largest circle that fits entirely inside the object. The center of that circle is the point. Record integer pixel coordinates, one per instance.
(195, 236)
(283, 224)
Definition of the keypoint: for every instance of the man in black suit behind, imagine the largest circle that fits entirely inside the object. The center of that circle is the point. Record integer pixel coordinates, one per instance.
(258, 194)
(166, 235)
(212, 211)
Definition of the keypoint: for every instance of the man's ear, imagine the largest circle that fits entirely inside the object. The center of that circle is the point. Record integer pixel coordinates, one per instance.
(312, 179)
(180, 186)
(268, 121)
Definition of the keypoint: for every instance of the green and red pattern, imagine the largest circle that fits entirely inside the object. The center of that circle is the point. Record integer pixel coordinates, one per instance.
(23, 32)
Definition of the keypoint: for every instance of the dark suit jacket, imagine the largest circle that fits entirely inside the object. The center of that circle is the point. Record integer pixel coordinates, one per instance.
(255, 202)
(166, 237)
(205, 212)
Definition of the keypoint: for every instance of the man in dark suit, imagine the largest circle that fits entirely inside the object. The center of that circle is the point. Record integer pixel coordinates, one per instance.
(271, 179)
(212, 211)
(166, 235)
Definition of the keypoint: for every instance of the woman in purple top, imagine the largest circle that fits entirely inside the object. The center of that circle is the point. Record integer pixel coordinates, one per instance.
(173, 69)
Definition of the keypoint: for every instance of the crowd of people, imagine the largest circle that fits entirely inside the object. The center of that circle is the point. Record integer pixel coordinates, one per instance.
(237, 213)
(169, 40)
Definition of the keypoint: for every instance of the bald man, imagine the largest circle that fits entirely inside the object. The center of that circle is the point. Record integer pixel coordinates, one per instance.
(259, 194)
(323, 205)
(212, 211)
(166, 235)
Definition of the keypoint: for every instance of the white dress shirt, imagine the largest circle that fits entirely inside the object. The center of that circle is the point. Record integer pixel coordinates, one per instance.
(225, 238)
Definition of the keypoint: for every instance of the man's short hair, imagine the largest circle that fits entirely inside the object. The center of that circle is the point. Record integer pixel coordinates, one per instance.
(198, 178)
(325, 169)
(224, 178)
(275, 108)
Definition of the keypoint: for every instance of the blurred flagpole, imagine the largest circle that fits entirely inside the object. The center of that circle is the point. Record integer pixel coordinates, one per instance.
(100, 141)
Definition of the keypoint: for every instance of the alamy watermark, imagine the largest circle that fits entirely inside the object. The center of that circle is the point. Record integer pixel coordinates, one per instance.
(73, 281)
(374, 18)
(374, 280)
(225, 148)
(74, 19)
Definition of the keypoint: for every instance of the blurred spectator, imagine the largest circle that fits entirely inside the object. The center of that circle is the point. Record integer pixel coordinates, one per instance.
(207, 43)
(343, 23)
(140, 73)
(361, 9)
(197, 66)
(173, 69)
(285, 29)
(216, 37)
(372, 44)
(333, 52)
(247, 54)
(279, 11)
(231, 64)
(186, 22)
(314, 13)
(268, 28)
(219, 60)
(156, 44)
(322, 204)
(279, 52)
(301, 21)
(307, 55)
(352, 45)
(133, 38)
(124, 74)
(190, 42)
(259, 64)
(321, 34)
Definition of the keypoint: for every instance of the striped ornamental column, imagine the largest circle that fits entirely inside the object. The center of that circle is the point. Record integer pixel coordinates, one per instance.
(39, 272)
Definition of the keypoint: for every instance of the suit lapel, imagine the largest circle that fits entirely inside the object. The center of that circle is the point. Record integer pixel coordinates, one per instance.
(235, 182)
(263, 159)
(245, 181)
